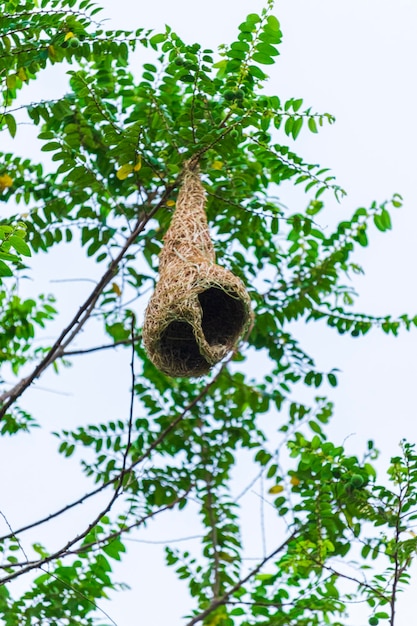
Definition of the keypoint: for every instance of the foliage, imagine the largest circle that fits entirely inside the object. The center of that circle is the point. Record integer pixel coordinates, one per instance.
(117, 142)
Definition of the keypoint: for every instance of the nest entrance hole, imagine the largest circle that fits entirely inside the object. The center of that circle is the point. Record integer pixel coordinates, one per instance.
(179, 347)
(223, 316)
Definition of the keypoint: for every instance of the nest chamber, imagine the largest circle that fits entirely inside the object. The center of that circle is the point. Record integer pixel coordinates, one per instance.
(198, 310)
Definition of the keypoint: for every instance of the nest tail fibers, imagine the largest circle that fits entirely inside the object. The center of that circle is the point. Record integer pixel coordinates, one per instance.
(198, 310)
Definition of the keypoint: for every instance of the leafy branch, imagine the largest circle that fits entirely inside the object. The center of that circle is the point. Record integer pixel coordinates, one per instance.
(76, 324)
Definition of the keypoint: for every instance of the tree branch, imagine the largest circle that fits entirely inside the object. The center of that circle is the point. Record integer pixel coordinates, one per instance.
(116, 478)
(55, 555)
(224, 598)
(81, 317)
(212, 518)
(115, 344)
(38, 563)
(123, 471)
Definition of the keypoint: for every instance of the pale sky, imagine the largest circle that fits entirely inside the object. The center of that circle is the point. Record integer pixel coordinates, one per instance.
(355, 59)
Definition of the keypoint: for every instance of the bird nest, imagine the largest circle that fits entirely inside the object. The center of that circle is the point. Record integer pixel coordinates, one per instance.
(198, 310)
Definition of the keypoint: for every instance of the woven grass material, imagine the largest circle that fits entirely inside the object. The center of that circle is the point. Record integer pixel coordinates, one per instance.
(198, 310)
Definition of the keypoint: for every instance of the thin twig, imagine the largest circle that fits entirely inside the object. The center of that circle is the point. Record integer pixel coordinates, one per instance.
(213, 524)
(397, 569)
(115, 344)
(79, 593)
(224, 598)
(262, 516)
(132, 401)
(361, 583)
(164, 541)
(13, 536)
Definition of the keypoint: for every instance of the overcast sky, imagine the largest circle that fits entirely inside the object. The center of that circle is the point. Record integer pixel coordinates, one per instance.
(355, 59)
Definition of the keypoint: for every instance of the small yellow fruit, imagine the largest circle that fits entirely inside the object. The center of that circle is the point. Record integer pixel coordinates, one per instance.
(276, 489)
(5, 181)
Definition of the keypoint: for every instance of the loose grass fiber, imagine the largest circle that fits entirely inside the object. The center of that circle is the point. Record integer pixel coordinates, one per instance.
(198, 310)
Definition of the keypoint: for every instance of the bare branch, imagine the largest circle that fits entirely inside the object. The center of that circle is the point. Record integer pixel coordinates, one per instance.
(213, 524)
(164, 541)
(12, 534)
(132, 401)
(360, 583)
(115, 344)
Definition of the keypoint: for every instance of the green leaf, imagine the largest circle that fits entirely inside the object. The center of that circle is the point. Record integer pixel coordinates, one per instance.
(5, 269)
(156, 39)
(309, 378)
(397, 200)
(296, 127)
(297, 104)
(386, 219)
(318, 379)
(19, 245)
(378, 223)
(273, 23)
(259, 57)
(53, 145)
(256, 72)
(315, 427)
(237, 611)
(289, 123)
(114, 549)
(11, 81)
(11, 124)
(332, 379)
(267, 49)
(270, 36)
(69, 451)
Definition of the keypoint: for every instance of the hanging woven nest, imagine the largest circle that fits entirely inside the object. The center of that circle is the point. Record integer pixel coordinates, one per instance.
(198, 310)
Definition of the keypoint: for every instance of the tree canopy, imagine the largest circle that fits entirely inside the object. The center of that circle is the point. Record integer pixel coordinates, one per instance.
(114, 149)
